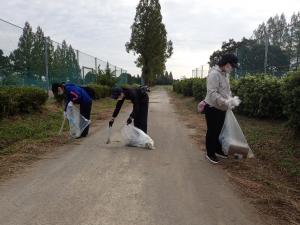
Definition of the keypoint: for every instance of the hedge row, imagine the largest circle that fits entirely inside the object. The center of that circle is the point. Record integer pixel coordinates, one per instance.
(15, 100)
(290, 90)
(262, 96)
(101, 91)
(184, 87)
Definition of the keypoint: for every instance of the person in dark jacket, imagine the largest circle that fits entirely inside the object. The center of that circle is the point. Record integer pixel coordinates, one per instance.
(140, 101)
(78, 95)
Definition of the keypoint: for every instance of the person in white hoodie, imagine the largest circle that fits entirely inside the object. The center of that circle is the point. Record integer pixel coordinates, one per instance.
(217, 103)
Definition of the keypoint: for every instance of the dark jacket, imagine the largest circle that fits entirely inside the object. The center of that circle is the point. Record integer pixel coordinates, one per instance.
(135, 95)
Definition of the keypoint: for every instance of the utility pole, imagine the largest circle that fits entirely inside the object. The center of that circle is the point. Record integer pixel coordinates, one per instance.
(266, 50)
(235, 69)
(202, 71)
(96, 66)
(81, 70)
(46, 65)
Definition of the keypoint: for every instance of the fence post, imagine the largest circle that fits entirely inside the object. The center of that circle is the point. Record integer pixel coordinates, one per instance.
(46, 64)
(235, 69)
(96, 67)
(266, 51)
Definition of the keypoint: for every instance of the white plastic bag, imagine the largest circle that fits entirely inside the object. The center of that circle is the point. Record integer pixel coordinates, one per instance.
(232, 138)
(137, 138)
(77, 122)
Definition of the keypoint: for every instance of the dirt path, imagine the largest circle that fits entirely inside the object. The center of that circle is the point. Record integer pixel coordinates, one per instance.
(97, 184)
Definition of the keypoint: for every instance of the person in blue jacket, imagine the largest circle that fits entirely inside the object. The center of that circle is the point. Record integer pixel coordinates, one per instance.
(78, 95)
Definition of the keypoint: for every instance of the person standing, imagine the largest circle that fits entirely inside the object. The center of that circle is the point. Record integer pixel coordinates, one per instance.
(217, 103)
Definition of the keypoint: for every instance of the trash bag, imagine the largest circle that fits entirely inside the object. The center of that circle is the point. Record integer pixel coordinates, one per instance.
(137, 138)
(232, 138)
(77, 122)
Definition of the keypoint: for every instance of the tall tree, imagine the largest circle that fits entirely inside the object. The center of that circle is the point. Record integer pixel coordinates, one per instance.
(64, 66)
(227, 47)
(260, 33)
(251, 58)
(64, 58)
(107, 77)
(56, 65)
(295, 39)
(22, 56)
(5, 68)
(38, 53)
(50, 52)
(171, 77)
(149, 40)
(73, 68)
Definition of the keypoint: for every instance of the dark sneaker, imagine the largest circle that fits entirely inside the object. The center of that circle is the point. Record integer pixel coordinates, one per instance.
(212, 159)
(222, 155)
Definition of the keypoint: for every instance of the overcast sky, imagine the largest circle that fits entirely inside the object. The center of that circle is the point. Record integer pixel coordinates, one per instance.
(102, 27)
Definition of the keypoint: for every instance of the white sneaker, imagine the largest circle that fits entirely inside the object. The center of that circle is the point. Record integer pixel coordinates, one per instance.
(213, 160)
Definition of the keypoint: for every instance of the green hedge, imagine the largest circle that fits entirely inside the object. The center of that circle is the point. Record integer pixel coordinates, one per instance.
(187, 87)
(184, 87)
(199, 88)
(15, 100)
(290, 91)
(101, 91)
(177, 87)
(131, 85)
(262, 96)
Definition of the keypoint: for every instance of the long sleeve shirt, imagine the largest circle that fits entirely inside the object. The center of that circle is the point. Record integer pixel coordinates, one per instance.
(130, 94)
(218, 88)
(76, 94)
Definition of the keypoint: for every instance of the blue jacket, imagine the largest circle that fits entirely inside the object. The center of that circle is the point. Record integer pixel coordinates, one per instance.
(76, 94)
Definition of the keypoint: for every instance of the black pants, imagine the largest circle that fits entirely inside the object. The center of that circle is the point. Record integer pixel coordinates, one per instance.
(214, 120)
(85, 111)
(141, 119)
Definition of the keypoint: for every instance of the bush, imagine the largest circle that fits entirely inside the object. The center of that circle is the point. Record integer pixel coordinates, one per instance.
(199, 88)
(15, 100)
(187, 87)
(101, 91)
(260, 96)
(106, 79)
(131, 85)
(176, 87)
(4, 102)
(290, 91)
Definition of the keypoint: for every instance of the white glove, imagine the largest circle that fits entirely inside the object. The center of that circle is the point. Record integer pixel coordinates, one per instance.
(231, 103)
(236, 101)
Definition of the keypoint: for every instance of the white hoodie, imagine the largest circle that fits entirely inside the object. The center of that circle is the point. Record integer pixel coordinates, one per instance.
(218, 88)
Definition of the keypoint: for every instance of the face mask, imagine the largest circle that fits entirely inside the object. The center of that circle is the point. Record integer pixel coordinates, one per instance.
(121, 96)
(60, 91)
(228, 69)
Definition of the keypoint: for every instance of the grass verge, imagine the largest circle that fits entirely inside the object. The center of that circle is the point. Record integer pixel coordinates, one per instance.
(271, 181)
(24, 138)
